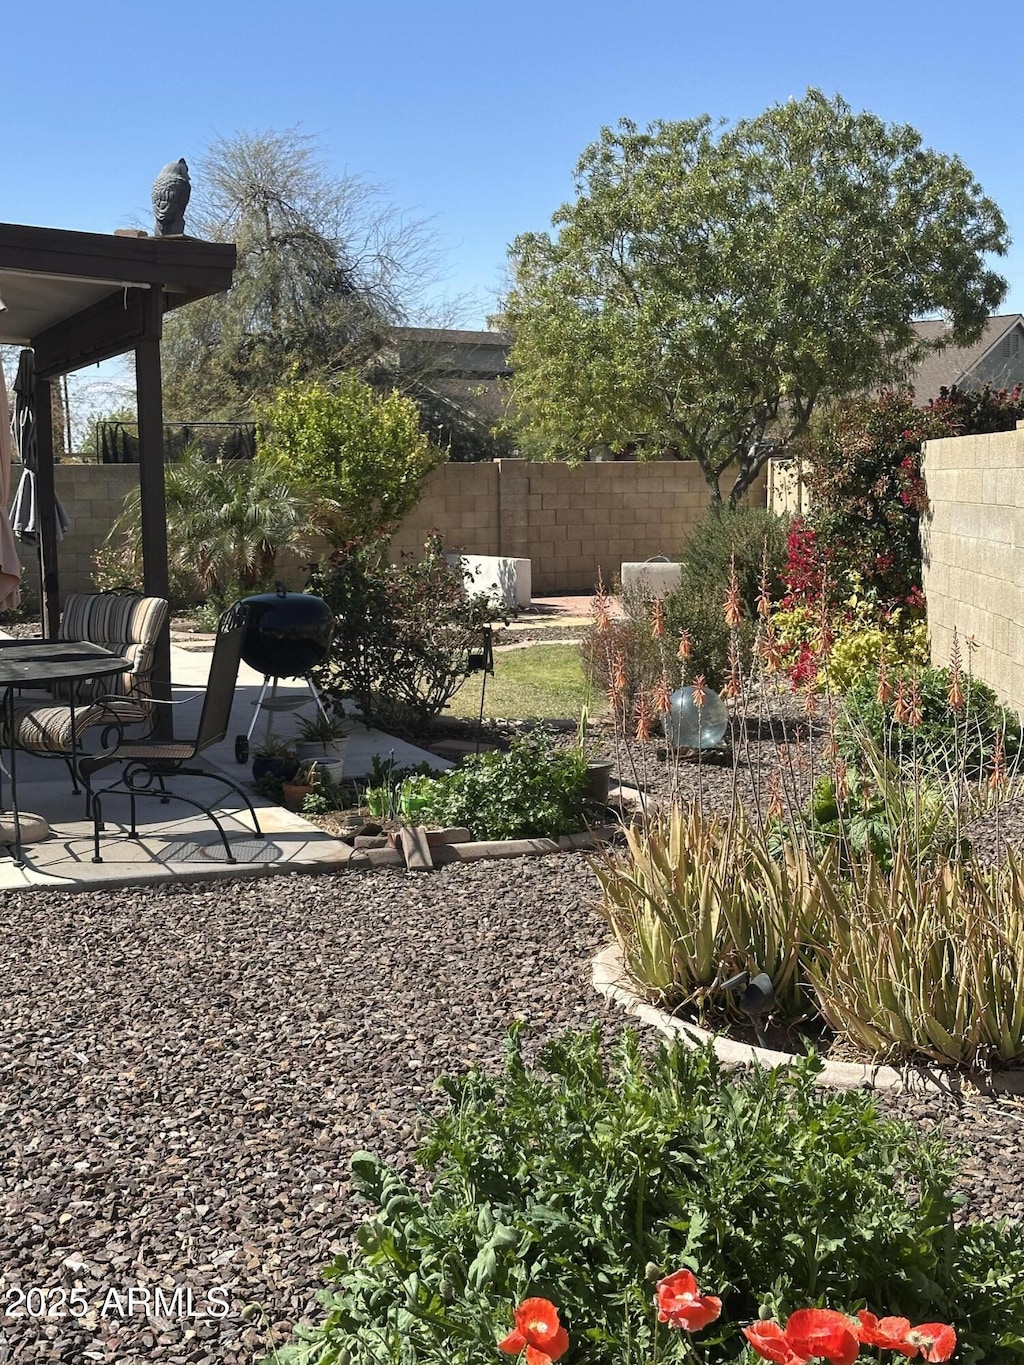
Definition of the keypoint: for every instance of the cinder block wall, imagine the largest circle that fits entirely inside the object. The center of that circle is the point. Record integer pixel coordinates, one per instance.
(973, 541)
(93, 495)
(569, 521)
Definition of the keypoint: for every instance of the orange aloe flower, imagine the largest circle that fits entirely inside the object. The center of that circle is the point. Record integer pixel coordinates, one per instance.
(914, 703)
(682, 1305)
(764, 599)
(600, 607)
(733, 687)
(662, 695)
(901, 710)
(998, 776)
(955, 697)
(700, 690)
(884, 693)
(538, 1332)
(776, 810)
(685, 646)
(644, 719)
(658, 620)
(733, 603)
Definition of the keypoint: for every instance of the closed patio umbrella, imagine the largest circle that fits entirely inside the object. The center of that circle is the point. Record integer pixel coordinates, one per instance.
(10, 567)
(25, 509)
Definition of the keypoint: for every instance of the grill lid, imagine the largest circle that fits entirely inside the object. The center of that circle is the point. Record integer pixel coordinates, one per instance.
(288, 633)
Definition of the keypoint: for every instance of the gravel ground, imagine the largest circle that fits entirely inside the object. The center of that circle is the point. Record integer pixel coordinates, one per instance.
(185, 1072)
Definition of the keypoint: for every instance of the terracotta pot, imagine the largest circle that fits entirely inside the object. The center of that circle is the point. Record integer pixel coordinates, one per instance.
(293, 794)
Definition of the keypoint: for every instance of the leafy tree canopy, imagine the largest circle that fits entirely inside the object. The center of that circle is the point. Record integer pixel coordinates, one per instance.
(324, 267)
(710, 285)
(362, 455)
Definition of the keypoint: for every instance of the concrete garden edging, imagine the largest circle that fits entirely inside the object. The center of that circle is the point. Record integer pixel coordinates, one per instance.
(609, 980)
(418, 853)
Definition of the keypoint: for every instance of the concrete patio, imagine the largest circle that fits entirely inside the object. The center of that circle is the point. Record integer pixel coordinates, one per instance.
(177, 842)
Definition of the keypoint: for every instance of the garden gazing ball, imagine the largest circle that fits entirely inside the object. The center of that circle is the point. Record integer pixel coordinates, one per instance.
(688, 726)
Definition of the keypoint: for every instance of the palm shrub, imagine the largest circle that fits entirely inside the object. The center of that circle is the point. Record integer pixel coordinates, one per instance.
(574, 1177)
(227, 522)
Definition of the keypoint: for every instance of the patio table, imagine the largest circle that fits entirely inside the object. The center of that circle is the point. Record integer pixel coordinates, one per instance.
(40, 663)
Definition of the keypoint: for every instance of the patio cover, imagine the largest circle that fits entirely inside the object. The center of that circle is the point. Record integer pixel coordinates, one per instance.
(77, 298)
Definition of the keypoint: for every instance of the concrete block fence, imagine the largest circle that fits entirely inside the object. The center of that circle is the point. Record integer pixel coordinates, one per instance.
(973, 542)
(569, 522)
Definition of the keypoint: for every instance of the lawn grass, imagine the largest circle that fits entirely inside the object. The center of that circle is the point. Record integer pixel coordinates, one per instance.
(539, 682)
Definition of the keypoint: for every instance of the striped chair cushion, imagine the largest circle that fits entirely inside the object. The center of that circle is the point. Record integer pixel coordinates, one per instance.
(57, 729)
(126, 625)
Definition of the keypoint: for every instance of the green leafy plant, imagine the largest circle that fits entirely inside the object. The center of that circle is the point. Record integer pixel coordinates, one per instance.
(363, 454)
(529, 791)
(577, 1177)
(946, 741)
(404, 634)
(749, 537)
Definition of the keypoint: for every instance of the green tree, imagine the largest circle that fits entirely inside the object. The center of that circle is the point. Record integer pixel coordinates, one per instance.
(709, 286)
(363, 455)
(324, 267)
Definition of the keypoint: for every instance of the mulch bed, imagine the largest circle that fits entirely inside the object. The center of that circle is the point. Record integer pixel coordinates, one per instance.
(186, 1071)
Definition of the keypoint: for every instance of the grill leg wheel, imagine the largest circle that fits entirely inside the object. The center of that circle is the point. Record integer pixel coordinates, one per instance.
(241, 749)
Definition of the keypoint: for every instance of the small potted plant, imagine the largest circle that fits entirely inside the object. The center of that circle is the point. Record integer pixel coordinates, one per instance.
(302, 783)
(325, 739)
(274, 758)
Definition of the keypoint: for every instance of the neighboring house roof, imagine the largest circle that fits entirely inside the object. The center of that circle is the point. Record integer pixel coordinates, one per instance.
(997, 358)
(453, 353)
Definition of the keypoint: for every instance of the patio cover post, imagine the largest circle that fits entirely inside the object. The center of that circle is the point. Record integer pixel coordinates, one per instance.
(152, 501)
(46, 510)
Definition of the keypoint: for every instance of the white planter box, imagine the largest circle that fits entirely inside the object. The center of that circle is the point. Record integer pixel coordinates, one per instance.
(506, 581)
(657, 576)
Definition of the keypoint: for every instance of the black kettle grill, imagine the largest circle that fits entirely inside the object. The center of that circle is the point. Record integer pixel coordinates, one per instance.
(287, 635)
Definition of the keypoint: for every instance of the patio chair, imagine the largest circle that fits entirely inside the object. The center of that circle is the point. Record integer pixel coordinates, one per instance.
(148, 763)
(126, 623)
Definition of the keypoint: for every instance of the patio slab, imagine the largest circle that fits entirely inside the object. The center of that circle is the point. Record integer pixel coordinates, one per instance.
(178, 843)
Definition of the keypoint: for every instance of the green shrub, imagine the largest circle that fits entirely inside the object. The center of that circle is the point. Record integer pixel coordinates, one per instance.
(364, 455)
(404, 635)
(747, 534)
(569, 1179)
(946, 741)
(530, 791)
(632, 641)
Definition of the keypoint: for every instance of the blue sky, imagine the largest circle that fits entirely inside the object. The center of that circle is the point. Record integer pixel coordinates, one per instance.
(473, 115)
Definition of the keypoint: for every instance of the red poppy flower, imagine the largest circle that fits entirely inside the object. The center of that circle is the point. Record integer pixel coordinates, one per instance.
(682, 1305)
(888, 1333)
(935, 1340)
(823, 1332)
(538, 1332)
(771, 1343)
